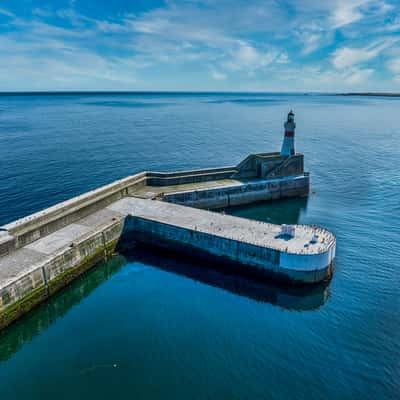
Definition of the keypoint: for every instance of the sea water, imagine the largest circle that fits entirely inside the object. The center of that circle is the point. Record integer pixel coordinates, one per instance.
(150, 325)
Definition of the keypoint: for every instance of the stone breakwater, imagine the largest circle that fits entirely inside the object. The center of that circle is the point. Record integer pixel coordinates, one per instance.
(42, 253)
(258, 246)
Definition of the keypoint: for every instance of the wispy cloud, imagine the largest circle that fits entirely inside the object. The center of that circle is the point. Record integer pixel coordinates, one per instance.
(346, 57)
(245, 56)
(347, 12)
(217, 75)
(7, 13)
(358, 76)
(394, 65)
(350, 11)
(292, 44)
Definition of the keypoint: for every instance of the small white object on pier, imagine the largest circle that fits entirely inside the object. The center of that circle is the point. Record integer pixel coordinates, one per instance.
(288, 230)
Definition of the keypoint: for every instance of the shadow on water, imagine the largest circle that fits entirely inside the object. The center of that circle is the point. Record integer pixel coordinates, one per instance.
(39, 319)
(284, 211)
(221, 276)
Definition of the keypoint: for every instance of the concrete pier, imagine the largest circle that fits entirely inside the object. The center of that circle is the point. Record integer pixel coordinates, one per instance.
(255, 245)
(42, 253)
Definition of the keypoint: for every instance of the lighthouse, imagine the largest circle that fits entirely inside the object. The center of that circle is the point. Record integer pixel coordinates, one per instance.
(288, 140)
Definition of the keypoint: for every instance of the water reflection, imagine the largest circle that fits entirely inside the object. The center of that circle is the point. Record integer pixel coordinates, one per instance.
(284, 211)
(222, 277)
(38, 320)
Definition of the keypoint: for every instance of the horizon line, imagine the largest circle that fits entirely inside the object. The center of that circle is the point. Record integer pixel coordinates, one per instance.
(127, 92)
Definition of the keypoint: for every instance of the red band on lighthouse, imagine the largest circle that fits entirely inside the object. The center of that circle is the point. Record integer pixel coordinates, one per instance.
(289, 134)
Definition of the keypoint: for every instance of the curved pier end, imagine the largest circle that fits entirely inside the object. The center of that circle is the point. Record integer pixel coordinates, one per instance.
(310, 254)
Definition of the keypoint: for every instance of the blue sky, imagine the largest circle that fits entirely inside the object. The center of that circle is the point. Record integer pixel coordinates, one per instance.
(218, 45)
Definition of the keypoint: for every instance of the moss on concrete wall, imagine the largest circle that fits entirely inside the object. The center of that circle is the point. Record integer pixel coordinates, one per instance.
(42, 293)
(22, 306)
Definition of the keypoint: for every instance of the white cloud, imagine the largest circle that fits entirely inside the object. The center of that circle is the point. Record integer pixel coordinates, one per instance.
(218, 76)
(346, 56)
(311, 42)
(359, 76)
(41, 12)
(7, 13)
(394, 65)
(392, 26)
(283, 58)
(78, 71)
(111, 27)
(43, 56)
(347, 12)
(151, 26)
(208, 38)
(316, 23)
(245, 56)
(313, 35)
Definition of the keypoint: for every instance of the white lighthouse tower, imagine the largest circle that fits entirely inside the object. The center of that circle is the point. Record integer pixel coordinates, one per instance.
(288, 140)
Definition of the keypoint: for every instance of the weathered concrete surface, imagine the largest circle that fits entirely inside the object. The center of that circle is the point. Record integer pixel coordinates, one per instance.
(26, 230)
(160, 192)
(244, 230)
(253, 244)
(31, 274)
(235, 193)
(41, 253)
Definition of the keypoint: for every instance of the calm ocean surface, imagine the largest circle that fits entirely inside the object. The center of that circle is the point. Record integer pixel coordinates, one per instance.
(150, 325)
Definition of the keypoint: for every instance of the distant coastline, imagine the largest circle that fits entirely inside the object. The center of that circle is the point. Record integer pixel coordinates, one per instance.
(370, 94)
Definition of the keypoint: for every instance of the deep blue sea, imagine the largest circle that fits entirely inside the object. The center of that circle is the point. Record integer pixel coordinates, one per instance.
(152, 325)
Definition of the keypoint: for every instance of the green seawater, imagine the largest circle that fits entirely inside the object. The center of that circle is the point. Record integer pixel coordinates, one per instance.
(152, 325)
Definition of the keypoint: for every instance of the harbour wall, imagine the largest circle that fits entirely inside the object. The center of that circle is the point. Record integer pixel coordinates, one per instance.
(44, 279)
(192, 176)
(33, 227)
(242, 193)
(249, 258)
(26, 230)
